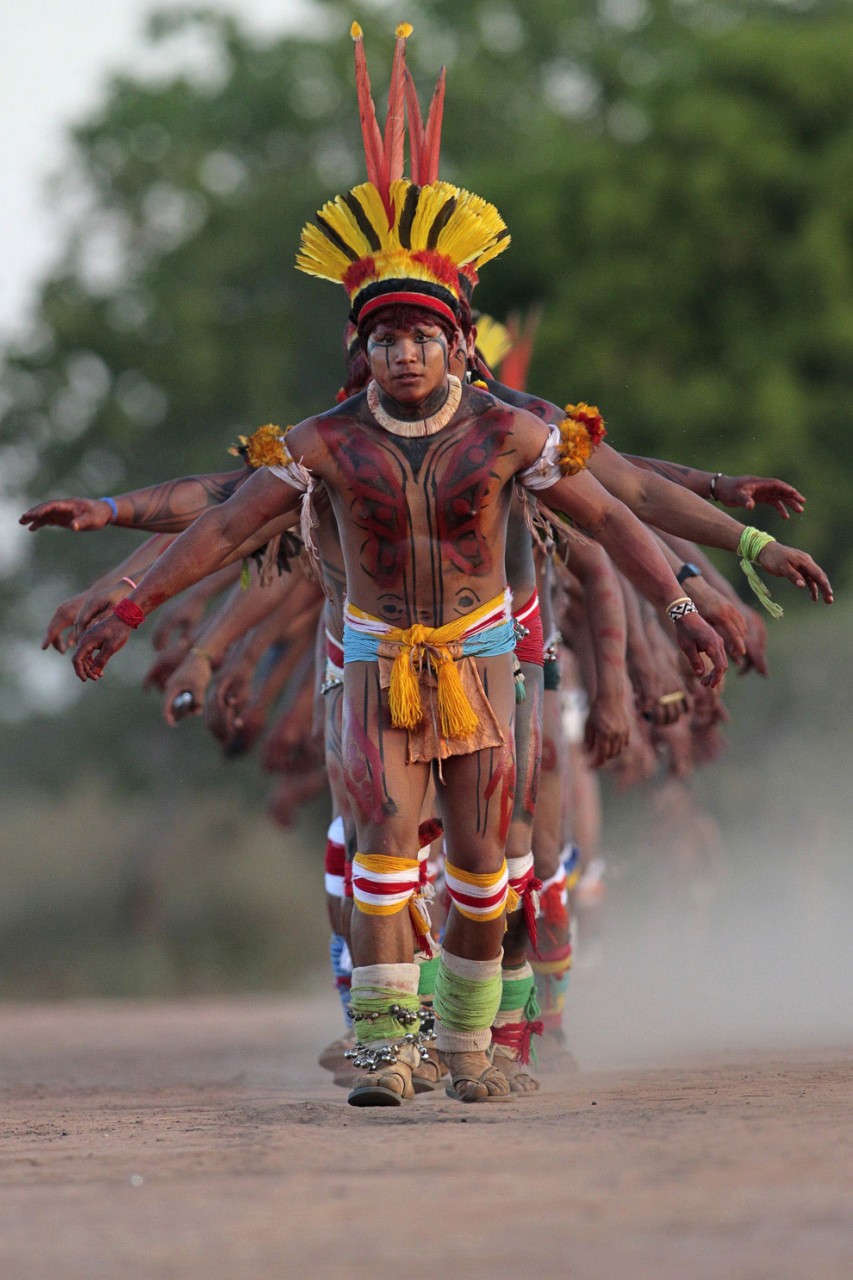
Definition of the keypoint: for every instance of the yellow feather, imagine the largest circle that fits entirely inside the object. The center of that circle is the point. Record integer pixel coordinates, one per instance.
(374, 210)
(493, 340)
(404, 30)
(432, 199)
(356, 31)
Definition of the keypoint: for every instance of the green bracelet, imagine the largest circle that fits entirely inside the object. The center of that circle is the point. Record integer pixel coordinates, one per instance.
(749, 548)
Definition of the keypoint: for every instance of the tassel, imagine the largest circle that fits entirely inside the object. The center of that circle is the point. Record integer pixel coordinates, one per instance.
(518, 680)
(404, 695)
(773, 608)
(458, 718)
(269, 561)
(512, 900)
(422, 924)
(530, 902)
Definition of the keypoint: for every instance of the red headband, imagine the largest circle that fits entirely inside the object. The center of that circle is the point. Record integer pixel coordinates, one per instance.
(410, 300)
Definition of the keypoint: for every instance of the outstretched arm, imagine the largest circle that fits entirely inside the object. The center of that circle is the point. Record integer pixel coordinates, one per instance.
(168, 507)
(675, 509)
(75, 614)
(217, 538)
(731, 491)
(636, 554)
(608, 724)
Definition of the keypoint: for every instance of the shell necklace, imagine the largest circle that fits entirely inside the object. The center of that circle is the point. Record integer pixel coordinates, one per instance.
(416, 426)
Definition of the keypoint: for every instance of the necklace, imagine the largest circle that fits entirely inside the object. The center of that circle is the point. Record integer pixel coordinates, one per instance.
(417, 426)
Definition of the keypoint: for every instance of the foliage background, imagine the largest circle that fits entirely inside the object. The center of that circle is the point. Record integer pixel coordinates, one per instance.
(676, 176)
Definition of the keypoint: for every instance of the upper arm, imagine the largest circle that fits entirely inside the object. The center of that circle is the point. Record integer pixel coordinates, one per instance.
(263, 498)
(625, 481)
(582, 498)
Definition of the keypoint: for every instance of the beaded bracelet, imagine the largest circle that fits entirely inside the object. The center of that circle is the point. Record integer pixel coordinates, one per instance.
(111, 503)
(712, 487)
(129, 613)
(680, 608)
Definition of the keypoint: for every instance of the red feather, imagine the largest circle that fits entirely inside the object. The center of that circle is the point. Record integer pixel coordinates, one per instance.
(514, 366)
(432, 135)
(416, 128)
(374, 150)
(395, 123)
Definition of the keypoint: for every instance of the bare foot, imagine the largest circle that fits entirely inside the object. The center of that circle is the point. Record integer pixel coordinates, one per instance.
(332, 1057)
(428, 1075)
(475, 1079)
(554, 1054)
(521, 1078)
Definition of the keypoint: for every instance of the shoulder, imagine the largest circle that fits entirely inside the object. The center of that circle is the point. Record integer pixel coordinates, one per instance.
(544, 410)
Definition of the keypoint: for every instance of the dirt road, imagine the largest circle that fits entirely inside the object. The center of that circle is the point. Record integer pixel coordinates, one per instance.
(199, 1142)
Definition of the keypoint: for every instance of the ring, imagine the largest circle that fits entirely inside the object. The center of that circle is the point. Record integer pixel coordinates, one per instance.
(667, 698)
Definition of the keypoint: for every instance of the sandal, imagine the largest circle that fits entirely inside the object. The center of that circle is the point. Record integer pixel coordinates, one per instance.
(475, 1079)
(430, 1073)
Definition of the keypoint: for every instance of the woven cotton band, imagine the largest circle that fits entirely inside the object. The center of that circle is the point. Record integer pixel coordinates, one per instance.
(375, 988)
(467, 996)
(427, 974)
(517, 1019)
(382, 886)
(336, 857)
(752, 543)
(480, 897)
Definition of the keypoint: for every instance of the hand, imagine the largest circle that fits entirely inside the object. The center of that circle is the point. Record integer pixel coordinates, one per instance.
(98, 645)
(608, 728)
(164, 666)
(675, 740)
(192, 675)
(82, 515)
(756, 643)
(177, 621)
(638, 762)
(746, 491)
(723, 615)
(64, 619)
(230, 699)
(798, 567)
(99, 603)
(654, 679)
(694, 637)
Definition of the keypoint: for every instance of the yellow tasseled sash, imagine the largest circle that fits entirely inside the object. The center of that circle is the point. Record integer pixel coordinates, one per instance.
(421, 646)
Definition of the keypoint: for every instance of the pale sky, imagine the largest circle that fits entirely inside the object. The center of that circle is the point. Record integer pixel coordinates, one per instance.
(57, 56)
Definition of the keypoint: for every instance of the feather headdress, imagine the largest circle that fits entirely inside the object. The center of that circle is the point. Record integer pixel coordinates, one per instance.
(392, 239)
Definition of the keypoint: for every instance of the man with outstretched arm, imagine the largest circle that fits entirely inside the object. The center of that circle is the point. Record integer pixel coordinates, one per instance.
(419, 471)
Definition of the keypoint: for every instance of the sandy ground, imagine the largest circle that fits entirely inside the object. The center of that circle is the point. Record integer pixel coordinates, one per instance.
(185, 1141)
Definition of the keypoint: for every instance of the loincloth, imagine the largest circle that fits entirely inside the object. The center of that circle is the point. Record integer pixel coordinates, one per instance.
(424, 695)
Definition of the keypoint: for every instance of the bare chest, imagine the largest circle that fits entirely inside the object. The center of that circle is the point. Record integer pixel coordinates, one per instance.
(400, 499)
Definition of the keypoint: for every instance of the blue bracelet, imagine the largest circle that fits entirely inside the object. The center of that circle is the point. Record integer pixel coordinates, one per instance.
(111, 503)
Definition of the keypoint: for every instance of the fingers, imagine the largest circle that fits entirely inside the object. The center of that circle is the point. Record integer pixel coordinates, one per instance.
(812, 576)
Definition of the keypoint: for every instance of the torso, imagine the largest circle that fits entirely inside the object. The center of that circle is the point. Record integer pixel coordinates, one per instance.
(422, 521)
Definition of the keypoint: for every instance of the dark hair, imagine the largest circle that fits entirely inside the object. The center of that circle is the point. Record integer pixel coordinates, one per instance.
(358, 370)
(466, 315)
(402, 316)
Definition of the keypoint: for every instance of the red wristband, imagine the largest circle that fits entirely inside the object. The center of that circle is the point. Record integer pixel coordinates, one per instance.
(129, 613)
